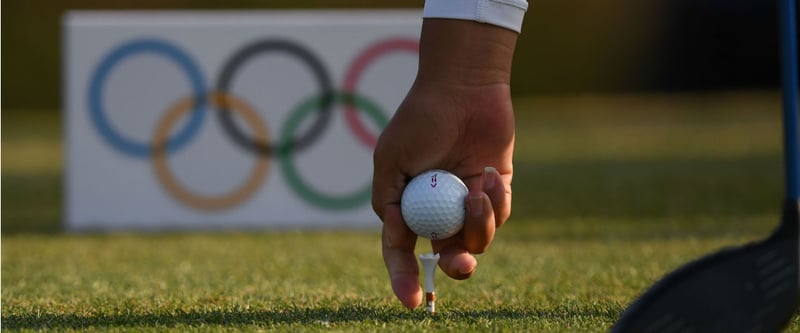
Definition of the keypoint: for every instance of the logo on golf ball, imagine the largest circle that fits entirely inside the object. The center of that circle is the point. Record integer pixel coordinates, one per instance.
(433, 204)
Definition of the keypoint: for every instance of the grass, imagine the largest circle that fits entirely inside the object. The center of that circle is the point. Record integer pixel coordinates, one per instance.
(611, 192)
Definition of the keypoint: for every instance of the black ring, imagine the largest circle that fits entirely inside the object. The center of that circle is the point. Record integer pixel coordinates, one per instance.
(244, 54)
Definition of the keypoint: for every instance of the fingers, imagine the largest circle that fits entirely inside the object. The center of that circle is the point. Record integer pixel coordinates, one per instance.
(488, 206)
(398, 254)
(479, 224)
(454, 259)
(499, 193)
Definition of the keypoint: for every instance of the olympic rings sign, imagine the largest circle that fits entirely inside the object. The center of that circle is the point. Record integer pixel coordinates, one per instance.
(282, 146)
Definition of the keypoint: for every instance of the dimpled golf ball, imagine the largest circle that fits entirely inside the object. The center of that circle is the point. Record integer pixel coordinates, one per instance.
(433, 204)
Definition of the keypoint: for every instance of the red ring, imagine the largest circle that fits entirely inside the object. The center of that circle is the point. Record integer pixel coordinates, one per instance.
(355, 70)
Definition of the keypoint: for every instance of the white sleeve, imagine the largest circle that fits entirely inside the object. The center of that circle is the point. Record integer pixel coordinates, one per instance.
(504, 13)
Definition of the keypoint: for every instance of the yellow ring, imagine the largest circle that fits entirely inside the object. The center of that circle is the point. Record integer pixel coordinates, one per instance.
(175, 188)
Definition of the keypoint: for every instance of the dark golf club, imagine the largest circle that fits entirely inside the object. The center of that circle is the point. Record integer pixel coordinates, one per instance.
(752, 288)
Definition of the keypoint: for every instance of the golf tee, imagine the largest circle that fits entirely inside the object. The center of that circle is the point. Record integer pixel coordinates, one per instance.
(429, 261)
(430, 302)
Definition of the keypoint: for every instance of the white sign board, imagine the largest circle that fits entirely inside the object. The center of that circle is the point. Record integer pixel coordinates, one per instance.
(220, 120)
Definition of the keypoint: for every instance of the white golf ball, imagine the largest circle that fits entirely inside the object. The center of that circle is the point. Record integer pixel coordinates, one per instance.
(433, 204)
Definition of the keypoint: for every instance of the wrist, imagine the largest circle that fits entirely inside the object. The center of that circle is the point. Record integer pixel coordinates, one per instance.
(508, 14)
(465, 53)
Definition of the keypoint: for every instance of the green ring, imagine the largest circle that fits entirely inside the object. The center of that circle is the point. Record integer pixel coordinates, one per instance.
(297, 184)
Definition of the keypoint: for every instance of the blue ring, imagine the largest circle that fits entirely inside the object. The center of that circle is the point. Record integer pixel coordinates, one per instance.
(172, 52)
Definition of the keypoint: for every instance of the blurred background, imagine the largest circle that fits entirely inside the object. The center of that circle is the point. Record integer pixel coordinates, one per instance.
(566, 47)
(646, 95)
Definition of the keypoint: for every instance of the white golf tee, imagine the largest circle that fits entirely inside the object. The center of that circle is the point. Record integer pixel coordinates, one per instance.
(429, 261)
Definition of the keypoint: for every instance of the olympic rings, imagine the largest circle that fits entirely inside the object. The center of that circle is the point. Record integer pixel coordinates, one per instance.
(172, 52)
(303, 54)
(161, 168)
(287, 165)
(221, 98)
(357, 67)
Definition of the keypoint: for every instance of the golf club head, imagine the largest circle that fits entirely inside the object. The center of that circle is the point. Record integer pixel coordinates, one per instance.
(752, 288)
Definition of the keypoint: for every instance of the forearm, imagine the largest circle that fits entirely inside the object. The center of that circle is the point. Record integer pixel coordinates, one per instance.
(465, 53)
(469, 42)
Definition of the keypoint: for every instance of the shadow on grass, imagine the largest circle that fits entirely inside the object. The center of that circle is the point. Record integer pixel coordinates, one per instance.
(293, 315)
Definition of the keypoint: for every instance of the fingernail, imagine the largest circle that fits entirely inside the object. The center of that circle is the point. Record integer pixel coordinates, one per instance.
(466, 270)
(489, 177)
(475, 205)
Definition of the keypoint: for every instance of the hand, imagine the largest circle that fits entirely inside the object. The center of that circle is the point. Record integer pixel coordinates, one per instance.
(456, 120)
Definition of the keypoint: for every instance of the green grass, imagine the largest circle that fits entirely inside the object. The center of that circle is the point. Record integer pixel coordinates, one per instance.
(610, 192)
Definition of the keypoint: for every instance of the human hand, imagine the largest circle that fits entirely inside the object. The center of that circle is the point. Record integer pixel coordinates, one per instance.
(461, 121)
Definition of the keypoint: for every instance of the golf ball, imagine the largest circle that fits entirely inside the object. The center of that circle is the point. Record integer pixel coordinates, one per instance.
(433, 204)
